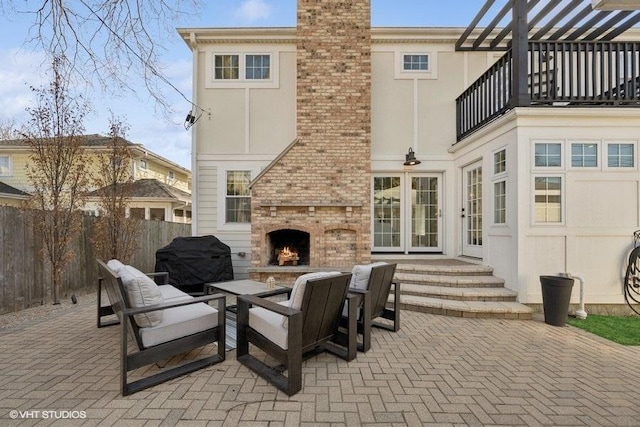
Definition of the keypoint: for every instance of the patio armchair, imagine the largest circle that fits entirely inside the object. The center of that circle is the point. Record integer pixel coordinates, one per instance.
(162, 322)
(294, 330)
(374, 283)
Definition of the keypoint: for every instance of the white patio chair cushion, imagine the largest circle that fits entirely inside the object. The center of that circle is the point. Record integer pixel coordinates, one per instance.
(179, 322)
(142, 291)
(297, 292)
(360, 275)
(115, 265)
(171, 293)
(271, 325)
(360, 280)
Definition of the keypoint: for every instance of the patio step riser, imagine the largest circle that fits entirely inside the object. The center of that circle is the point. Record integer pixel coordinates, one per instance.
(451, 281)
(486, 298)
(457, 290)
(452, 312)
(444, 271)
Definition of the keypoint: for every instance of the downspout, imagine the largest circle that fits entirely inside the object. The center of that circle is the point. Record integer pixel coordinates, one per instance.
(580, 313)
(193, 43)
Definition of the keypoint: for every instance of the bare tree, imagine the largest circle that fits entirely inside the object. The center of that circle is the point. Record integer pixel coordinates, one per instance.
(115, 234)
(7, 129)
(106, 40)
(57, 170)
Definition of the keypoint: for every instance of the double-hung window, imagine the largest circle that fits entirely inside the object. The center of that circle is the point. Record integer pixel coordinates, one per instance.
(238, 197)
(5, 165)
(548, 187)
(500, 187)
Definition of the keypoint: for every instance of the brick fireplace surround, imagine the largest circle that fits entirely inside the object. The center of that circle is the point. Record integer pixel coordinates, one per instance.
(321, 183)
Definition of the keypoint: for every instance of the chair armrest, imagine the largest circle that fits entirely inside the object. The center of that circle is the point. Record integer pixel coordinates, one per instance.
(139, 310)
(267, 305)
(358, 291)
(162, 274)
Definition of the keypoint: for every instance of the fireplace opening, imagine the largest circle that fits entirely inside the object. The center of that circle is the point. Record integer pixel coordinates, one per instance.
(288, 247)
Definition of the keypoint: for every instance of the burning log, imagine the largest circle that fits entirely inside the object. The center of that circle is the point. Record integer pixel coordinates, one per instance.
(287, 255)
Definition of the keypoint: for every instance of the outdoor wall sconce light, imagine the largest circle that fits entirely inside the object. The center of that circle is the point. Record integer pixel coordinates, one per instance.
(411, 158)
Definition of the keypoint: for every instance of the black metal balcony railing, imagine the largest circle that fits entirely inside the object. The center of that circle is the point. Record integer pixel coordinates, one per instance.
(560, 74)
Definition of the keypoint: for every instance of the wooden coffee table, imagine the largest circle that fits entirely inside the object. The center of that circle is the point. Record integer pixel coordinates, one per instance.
(245, 287)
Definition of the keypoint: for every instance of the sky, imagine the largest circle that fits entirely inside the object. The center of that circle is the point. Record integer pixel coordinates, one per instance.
(166, 136)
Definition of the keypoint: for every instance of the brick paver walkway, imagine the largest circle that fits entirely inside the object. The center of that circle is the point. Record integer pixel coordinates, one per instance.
(436, 371)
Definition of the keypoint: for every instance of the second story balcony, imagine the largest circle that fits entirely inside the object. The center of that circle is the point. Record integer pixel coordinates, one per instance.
(560, 54)
(559, 74)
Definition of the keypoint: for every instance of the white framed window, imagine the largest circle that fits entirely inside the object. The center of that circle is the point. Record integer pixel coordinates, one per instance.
(547, 154)
(243, 67)
(226, 67)
(500, 162)
(238, 197)
(584, 155)
(548, 199)
(415, 62)
(258, 67)
(5, 165)
(500, 202)
(621, 155)
(143, 164)
(171, 175)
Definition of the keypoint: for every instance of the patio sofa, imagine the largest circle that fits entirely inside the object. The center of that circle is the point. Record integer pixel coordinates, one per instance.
(162, 321)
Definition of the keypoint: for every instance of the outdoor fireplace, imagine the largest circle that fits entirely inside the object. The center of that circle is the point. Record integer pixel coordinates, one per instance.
(288, 247)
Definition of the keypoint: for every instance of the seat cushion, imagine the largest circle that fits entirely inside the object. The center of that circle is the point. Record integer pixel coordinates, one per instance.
(360, 275)
(297, 292)
(270, 325)
(142, 292)
(180, 322)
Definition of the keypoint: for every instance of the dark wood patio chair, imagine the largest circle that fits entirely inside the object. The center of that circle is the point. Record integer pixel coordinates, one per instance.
(188, 323)
(290, 335)
(374, 304)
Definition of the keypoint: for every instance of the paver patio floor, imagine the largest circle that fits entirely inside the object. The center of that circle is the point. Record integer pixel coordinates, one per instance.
(436, 371)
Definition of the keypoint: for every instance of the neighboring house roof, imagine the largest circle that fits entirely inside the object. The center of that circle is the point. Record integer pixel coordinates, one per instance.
(100, 141)
(12, 191)
(151, 189)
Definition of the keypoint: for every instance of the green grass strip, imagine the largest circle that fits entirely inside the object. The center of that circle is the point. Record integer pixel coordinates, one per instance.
(624, 330)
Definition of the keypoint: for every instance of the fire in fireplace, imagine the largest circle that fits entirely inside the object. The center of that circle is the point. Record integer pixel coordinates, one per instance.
(288, 247)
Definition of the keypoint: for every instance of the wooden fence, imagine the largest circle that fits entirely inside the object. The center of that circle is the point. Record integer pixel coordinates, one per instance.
(25, 276)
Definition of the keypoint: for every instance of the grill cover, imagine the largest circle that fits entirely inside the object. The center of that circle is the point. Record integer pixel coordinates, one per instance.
(193, 261)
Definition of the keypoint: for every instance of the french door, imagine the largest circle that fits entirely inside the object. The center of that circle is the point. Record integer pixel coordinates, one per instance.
(472, 210)
(407, 213)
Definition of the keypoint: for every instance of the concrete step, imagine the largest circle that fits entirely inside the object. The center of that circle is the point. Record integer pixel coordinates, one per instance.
(459, 293)
(453, 287)
(445, 269)
(456, 308)
(460, 281)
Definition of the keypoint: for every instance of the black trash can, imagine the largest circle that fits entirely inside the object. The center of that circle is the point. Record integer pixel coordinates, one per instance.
(556, 294)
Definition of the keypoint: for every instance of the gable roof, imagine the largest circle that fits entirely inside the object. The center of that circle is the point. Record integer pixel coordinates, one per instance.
(150, 189)
(7, 189)
(96, 141)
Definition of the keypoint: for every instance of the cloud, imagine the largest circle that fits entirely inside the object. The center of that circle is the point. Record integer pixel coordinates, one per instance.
(253, 10)
(18, 71)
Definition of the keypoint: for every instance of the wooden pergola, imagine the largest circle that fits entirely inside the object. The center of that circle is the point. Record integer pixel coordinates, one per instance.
(557, 53)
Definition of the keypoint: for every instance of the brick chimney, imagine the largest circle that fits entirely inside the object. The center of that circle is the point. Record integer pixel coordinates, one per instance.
(321, 184)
